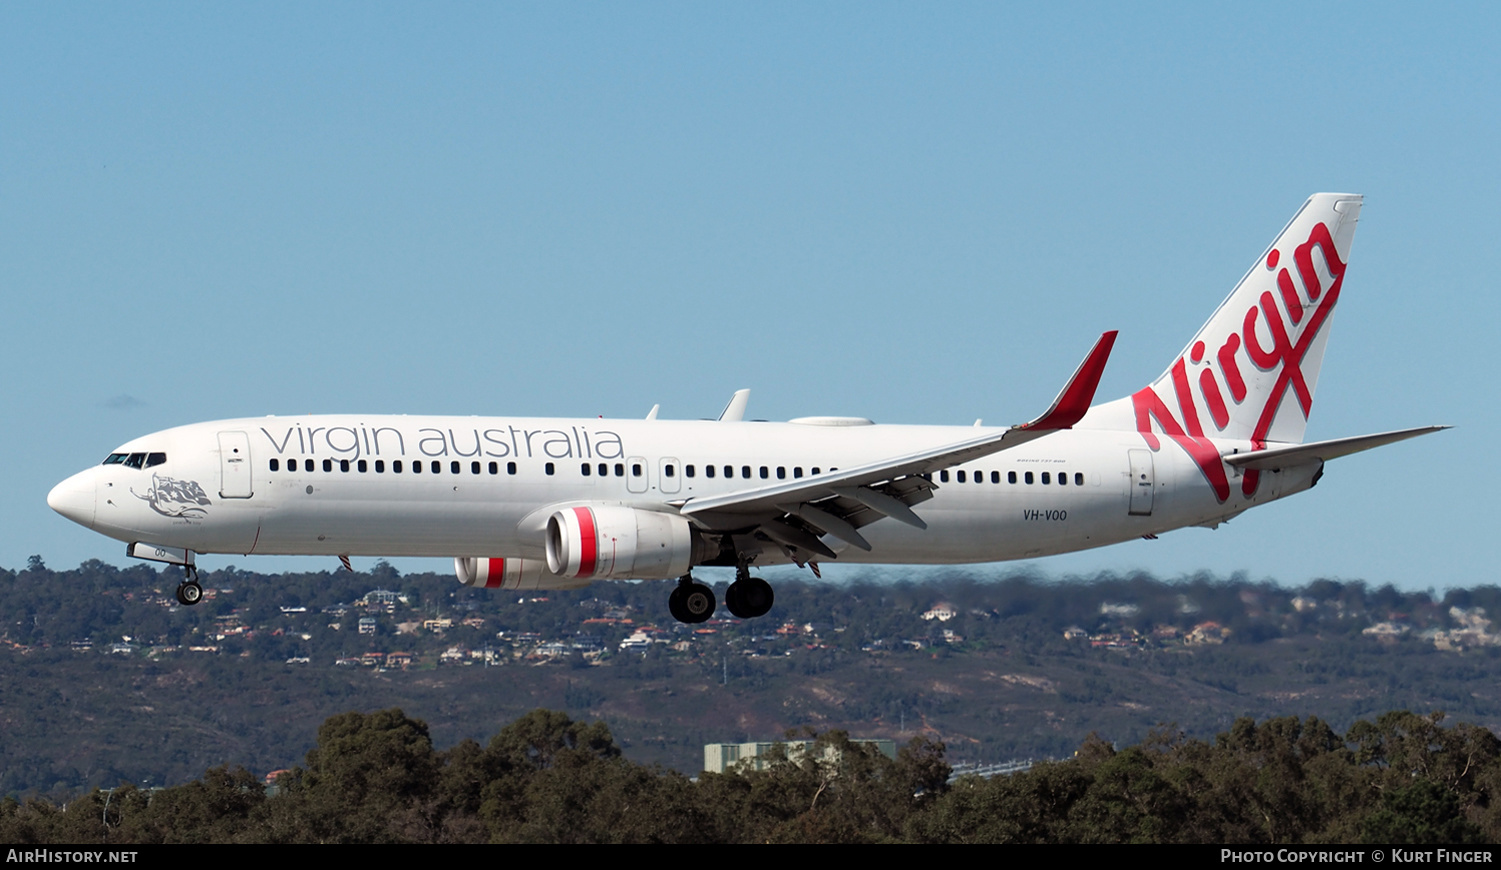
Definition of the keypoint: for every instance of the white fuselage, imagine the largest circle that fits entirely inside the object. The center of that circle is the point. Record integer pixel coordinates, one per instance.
(484, 487)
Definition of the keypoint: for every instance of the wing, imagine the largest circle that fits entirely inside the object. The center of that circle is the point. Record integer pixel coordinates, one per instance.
(797, 513)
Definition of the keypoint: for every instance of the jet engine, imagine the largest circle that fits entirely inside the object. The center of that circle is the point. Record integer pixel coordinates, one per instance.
(499, 573)
(598, 542)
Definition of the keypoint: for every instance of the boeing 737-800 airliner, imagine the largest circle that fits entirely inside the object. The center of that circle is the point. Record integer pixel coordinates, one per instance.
(556, 503)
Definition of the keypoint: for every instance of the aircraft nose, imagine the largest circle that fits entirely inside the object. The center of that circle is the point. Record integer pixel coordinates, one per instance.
(75, 499)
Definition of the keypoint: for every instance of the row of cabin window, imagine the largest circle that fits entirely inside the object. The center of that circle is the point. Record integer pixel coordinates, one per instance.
(362, 466)
(604, 469)
(586, 469)
(1011, 477)
(764, 472)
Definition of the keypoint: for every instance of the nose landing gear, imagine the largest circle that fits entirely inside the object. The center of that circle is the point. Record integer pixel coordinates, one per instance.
(189, 591)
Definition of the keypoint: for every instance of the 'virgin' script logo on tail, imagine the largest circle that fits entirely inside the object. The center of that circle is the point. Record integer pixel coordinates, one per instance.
(1272, 343)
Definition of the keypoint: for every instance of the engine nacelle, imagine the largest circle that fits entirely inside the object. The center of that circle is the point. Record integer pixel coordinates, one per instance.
(598, 542)
(497, 573)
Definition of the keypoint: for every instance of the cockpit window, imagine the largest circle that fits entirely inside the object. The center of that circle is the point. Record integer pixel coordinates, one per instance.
(136, 460)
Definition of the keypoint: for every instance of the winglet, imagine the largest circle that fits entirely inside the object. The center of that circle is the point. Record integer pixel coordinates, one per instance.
(652, 414)
(1072, 403)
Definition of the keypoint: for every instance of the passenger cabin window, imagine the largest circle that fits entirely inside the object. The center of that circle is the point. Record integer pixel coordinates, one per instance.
(708, 470)
(667, 471)
(584, 469)
(275, 465)
(328, 465)
(437, 467)
(343, 464)
(1028, 478)
(1045, 478)
(453, 467)
(510, 468)
(548, 468)
(1078, 478)
(995, 477)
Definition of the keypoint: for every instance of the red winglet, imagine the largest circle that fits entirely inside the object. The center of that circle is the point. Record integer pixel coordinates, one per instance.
(1071, 404)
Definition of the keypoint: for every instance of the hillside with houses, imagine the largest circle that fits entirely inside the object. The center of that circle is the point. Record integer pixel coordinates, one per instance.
(109, 679)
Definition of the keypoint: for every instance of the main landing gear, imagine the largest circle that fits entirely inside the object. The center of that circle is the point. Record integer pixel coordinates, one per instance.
(189, 591)
(691, 602)
(747, 598)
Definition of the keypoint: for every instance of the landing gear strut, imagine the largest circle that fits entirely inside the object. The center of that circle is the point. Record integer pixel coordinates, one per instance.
(189, 591)
(691, 602)
(748, 597)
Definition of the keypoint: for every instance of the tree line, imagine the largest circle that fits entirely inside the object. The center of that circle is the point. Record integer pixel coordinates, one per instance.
(546, 778)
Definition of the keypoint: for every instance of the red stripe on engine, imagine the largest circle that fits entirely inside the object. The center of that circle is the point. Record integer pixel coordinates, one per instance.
(497, 577)
(588, 541)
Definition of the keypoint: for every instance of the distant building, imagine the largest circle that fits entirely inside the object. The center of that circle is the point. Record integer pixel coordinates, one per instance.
(382, 598)
(1207, 632)
(719, 757)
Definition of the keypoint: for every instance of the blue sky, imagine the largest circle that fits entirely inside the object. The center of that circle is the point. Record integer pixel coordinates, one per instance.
(917, 213)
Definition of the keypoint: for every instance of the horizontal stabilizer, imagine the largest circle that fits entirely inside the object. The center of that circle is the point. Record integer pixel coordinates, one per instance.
(1296, 454)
